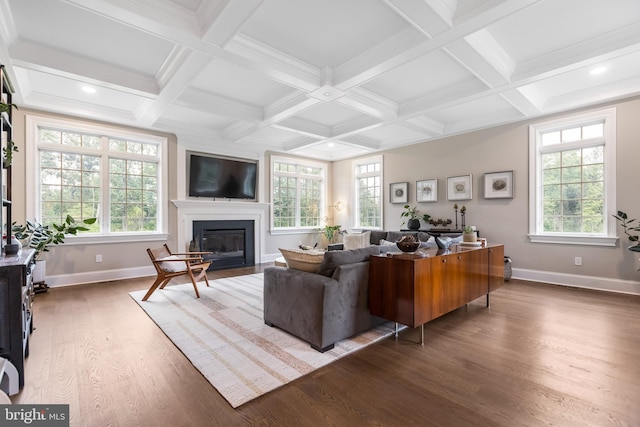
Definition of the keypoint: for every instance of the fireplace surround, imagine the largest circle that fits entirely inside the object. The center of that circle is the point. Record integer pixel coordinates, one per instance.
(192, 210)
(231, 242)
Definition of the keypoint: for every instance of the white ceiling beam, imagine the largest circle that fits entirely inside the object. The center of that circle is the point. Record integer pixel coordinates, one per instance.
(370, 103)
(527, 99)
(424, 124)
(619, 42)
(181, 79)
(405, 47)
(481, 54)
(52, 61)
(210, 103)
(165, 27)
(304, 127)
(430, 17)
(221, 20)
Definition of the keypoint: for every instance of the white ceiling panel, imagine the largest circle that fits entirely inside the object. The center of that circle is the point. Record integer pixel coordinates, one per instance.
(323, 33)
(296, 75)
(424, 75)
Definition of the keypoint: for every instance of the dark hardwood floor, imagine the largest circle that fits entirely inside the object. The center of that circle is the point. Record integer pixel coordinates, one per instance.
(541, 355)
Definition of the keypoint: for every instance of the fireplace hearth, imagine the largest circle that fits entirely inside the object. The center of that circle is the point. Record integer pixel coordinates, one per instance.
(231, 242)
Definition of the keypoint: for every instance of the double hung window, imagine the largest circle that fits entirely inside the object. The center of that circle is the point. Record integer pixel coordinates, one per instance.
(298, 194)
(572, 179)
(86, 171)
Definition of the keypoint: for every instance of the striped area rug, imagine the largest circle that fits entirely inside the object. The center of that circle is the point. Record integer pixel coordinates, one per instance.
(224, 336)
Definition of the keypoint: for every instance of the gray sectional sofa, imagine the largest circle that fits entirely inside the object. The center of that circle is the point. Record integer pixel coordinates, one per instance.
(325, 307)
(332, 304)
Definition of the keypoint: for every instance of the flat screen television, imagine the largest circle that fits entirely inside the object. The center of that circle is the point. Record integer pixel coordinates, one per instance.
(221, 177)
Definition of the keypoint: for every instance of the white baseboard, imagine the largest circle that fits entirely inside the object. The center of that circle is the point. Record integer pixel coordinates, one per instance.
(99, 276)
(588, 282)
(563, 279)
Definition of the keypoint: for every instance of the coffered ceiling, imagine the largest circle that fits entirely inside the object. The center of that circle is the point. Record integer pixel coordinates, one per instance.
(327, 79)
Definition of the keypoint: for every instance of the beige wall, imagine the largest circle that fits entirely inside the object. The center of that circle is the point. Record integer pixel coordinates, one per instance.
(501, 221)
(506, 220)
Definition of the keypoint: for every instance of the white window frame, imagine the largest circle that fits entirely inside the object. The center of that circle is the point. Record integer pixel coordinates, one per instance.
(536, 233)
(355, 201)
(323, 194)
(32, 150)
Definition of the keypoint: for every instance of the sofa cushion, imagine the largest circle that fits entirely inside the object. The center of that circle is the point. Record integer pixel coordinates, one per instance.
(376, 236)
(356, 241)
(303, 260)
(334, 259)
(394, 236)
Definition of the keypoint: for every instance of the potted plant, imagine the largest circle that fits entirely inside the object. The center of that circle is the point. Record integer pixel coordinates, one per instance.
(41, 237)
(626, 224)
(331, 232)
(4, 107)
(411, 212)
(469, 234)
(7, 153)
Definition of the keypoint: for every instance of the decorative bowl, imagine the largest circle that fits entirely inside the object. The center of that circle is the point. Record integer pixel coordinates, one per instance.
(408, 246)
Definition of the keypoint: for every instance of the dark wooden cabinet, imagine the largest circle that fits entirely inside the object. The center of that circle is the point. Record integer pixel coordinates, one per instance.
(16, 315)
(413, 289)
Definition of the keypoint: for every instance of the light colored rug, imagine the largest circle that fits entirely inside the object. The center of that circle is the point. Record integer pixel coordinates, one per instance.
(223, 334)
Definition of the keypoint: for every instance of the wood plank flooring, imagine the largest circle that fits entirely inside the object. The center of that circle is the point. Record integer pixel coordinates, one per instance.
(541, 355)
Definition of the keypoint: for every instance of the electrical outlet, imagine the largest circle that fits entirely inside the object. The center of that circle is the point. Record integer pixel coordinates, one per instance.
(99, 258)
(578, 260)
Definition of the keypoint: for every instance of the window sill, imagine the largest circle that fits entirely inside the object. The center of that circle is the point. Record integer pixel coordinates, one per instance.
(113, 238)
(573, 240)
(284, 231)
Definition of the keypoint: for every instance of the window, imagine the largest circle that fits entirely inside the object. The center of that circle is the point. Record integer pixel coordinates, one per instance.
(86, 171)
(368, 193)
(572, 179)
(298, 194)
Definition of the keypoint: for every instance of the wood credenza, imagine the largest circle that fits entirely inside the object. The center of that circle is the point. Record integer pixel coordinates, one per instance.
(412, 289)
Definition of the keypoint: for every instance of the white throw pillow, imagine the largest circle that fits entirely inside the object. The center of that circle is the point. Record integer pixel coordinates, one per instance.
(298, 259)
(356, 241)
(172, 266)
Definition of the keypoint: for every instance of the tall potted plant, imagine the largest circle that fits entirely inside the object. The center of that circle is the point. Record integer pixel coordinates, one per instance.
(41, 237)
(413, 223)
(627, 225)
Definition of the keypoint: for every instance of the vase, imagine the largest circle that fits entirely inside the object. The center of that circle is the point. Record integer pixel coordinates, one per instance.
(470, 237)
(413, 224)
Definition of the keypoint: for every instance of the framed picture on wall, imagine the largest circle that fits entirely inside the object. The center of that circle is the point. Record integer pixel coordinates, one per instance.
(498, 185)
(398, 192)
(459, 187)
(427, 190)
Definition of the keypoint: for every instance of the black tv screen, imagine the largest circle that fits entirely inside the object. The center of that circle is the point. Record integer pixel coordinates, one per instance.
(219, 177)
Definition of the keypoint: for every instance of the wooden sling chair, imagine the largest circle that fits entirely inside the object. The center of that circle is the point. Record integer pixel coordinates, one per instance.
(169, 265)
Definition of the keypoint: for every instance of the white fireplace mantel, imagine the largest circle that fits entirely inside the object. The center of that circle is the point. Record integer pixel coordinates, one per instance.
(202, 210)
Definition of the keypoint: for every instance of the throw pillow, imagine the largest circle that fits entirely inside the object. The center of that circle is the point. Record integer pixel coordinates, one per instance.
(172, 266)
(356, 241)
(298, 259)
(334, 259)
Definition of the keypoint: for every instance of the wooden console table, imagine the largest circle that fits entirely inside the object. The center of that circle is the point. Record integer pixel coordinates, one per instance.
(412, 289)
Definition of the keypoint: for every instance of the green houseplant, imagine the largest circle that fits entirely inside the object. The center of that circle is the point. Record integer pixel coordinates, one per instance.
(626, 224)
(41, 237)
(413, 215)
(7, 153)
(330, 232)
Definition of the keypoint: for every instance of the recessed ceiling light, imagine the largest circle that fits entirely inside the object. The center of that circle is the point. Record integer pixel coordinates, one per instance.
(331, 144)
(598, 70)
(88, 89)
